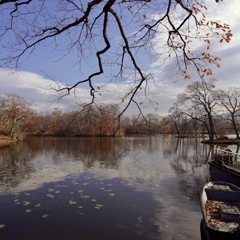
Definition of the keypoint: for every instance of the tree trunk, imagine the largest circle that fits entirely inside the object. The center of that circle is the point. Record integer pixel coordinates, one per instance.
(175, 124)
(235, 127)
(211, 127)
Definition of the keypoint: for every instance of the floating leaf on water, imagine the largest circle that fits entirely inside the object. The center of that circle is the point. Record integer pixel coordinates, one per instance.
(38, 205)
(111, 194)
(50, 190)
(85, 196)
(109, 184)
(80, 191)
(28, 210)
(27, 194)
(72, 202)
(26, 203)
(45, 215)
(94, 200)
(57, 191)
(109, 190)
(2, 226)
(85, 184)
(80, 206)
(98, 206)
(61, 186)
(50, 195)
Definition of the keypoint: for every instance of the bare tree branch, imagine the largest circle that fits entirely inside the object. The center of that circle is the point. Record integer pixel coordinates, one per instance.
(87, 25)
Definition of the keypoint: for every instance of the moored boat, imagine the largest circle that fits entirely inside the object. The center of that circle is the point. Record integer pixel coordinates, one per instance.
(225, 166)
(220, 172)
(220, 204)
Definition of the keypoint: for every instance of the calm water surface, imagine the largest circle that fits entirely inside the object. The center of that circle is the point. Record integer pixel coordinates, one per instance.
(136, 188)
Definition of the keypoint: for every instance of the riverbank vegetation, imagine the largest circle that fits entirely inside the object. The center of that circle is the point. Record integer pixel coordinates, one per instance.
(16, 116)
(207, 110)
(200, 111)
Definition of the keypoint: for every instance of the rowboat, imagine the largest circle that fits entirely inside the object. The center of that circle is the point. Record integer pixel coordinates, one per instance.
(220, 205)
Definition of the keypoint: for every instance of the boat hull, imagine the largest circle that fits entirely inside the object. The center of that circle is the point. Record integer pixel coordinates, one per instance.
(221, 173)
(211, 228)
(210, 234)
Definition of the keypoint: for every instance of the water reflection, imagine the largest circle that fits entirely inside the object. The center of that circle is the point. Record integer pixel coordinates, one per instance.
(77, 206)
(133, 188)
(190, 158)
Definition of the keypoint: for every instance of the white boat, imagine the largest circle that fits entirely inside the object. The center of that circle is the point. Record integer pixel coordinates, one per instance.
(220, 204)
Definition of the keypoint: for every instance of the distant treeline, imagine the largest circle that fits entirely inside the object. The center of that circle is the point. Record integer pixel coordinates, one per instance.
(16, 117)
(201, 109)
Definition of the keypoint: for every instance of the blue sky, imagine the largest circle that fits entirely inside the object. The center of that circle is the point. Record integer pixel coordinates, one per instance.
(32, 81)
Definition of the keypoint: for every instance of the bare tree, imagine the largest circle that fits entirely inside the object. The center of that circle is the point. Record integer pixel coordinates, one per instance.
(230, 100)
(86, 27)
(200, 104)
(183, 122)
(175, 118)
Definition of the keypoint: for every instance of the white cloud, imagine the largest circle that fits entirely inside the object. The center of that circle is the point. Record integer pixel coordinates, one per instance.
(228, 74)
(36, 89)
(163, 91)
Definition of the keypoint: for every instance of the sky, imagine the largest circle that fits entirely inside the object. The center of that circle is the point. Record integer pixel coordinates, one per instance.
(34, 80)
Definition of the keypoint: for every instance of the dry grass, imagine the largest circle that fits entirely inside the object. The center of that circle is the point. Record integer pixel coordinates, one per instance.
(4, 140)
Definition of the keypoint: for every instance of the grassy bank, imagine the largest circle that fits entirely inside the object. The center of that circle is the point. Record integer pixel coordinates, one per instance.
(222, 141)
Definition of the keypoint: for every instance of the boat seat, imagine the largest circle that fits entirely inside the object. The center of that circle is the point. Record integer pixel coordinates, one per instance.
(221, 187)
(229, 213)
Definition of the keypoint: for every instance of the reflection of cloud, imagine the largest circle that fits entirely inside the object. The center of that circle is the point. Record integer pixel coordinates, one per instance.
(176, 213)
(46, 174)
(132, 170)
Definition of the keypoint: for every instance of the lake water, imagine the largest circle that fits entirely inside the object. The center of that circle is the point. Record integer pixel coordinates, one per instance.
(136, 188)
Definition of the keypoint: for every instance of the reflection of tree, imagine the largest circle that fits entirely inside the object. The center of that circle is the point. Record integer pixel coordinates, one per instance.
(15, 164)
(189, 158)
(88, 150)
(191, 189)
(148, 143)
(19, 161)
(187, 155)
